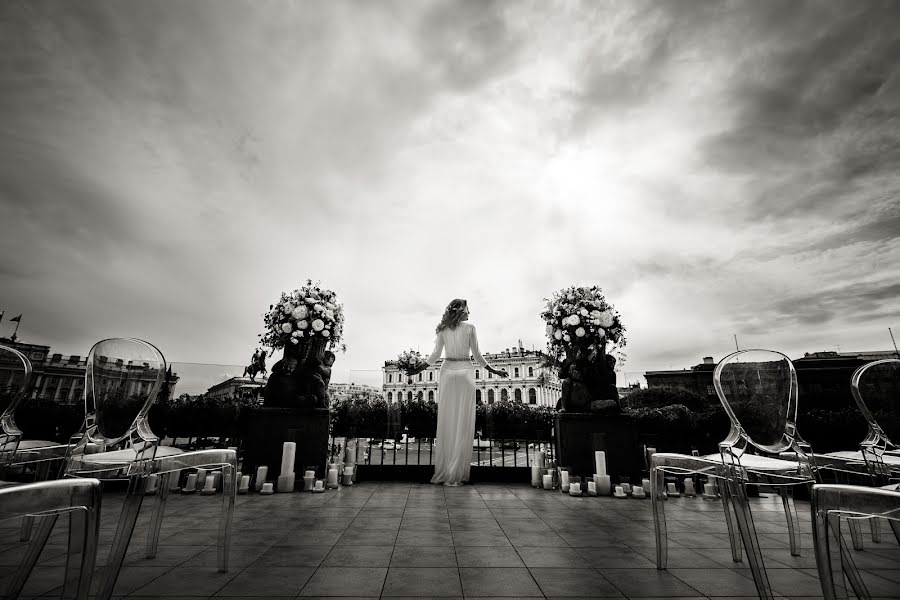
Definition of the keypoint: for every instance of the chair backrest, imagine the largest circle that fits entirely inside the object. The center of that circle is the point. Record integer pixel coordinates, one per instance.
(123, 378)
(15, 383)
(876, 389)
(758, 389)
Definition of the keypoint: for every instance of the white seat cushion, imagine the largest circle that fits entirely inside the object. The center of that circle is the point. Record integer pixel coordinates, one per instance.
(121, 457)
(31, 444)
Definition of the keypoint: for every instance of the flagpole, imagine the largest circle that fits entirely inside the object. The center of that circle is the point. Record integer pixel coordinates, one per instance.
(13, 338)
(2, 312)
(897, 352)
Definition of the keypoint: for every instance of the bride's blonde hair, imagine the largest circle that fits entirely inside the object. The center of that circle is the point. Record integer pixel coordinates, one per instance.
(453, 315)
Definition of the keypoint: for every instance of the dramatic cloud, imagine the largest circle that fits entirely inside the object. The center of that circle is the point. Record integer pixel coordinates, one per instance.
(719, 168)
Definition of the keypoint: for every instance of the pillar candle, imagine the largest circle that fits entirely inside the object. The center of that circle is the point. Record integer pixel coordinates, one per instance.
(536, 475)
(332, 481)
(695, 453)
(349, 454)
(689, 487)
(217, 480)
(319, 486)
(348, 470)
(645, 483)
(604, 486)
(286, 483)
(626, 487)
(174, 482)
(209, 487)
(347, 479)
(592, 488)
(261, 473)
(267, 488)
(152, 484)
(201, 478)
(564, 480)
(619, 493)
(638, 492)
(575, 489)
(709, 490)
(672, 490)
(600, 462)
(288, 453)
(542, 459)
(310, 473)
(308, 482)
(244, 486)
(548, 482)
(190, 486)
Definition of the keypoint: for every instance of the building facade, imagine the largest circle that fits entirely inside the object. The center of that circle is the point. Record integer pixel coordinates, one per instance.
(59, 378)
(529, 381)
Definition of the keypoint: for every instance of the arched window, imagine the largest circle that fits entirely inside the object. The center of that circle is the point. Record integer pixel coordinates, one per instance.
(430, 375)
(409, 396)
(390, 377)
(531, 371)
(390, 396)
(516, 372)
(504, 394)
(431, 395)
(420, 396)
(490, 375)
(532, 396)
(420, 377)
(517, 394)
(477, 374)
(477, 396)
(490, 396)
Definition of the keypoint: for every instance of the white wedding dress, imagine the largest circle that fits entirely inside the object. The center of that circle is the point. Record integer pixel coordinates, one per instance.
(456, 403)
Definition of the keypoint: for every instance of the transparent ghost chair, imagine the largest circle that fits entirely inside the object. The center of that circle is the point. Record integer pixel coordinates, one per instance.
(123, 379)
(758, 390)
(43, 456)
(831, 503)
(80, 499)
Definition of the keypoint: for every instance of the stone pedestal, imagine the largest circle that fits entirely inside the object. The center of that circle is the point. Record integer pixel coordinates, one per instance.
(266, 430)
(579, 435)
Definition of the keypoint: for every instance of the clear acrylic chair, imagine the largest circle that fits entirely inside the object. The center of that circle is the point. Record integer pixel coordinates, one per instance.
(124, 377)
(831, 503)
(758, 390)
(80, 499)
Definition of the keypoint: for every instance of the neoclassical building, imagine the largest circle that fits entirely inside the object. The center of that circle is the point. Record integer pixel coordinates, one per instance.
(529, 381)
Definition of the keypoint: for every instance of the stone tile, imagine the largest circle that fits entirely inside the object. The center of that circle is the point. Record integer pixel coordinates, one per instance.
(310, 538)
(567, 583)
(615, 558)
(425, 524)
(479, 538)
(238, 557)
(643, 583)
(488, 556)
(186, 581)
(165, 556)
(552, 557)
(794, 582)
(424, 538)
(423, 556)
(498, 581)
(345, 581)
(533, 538)
(719, 582)
(422, 581)
(371, 537)
(293, 556)
(359, 556)
(267, 581)
(524, 525)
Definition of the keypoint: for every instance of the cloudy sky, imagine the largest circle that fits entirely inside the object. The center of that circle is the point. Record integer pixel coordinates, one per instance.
(167, 168)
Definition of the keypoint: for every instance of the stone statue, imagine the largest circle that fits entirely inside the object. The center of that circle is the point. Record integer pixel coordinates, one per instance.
(257, 365)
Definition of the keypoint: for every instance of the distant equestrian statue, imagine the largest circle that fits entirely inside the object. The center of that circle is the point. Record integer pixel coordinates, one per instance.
(257, 365)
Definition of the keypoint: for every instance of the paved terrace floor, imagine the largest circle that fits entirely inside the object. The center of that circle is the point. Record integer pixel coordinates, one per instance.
(407, 540)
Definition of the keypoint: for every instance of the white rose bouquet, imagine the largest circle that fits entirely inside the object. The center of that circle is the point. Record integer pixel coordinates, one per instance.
(410, 360)
(308, 313)
(580, 318)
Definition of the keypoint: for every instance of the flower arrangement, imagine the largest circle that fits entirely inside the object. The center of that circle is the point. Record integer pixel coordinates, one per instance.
(580, 318)
(409, 360)
(306, 313)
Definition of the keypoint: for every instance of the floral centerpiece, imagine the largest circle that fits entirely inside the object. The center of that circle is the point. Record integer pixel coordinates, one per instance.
(579, 320)
(409, 360)
(309, 313)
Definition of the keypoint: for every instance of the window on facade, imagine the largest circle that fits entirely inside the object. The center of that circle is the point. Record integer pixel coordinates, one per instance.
(430, 375)
(477, 374)
(420, 377)
(420, 396)
(490, 396)
(390, 378)
(517, 394)
(490, 375)
(531, 371)
(390, 396)
(516, 372)
(504, 394)
(431, 395)
(409, 396)
(532, 396)
(477, 396)
(710, 390)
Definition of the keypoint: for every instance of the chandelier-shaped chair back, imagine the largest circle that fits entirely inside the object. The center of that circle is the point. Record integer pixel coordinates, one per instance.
(758, 390)
(876, 389)
(15, 383)
(123, 378)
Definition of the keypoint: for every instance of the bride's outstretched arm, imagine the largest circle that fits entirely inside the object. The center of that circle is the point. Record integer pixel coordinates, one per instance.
(476, 354)
(436, 353)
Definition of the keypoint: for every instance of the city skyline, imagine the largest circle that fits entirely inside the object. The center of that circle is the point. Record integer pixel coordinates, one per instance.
(718, 169)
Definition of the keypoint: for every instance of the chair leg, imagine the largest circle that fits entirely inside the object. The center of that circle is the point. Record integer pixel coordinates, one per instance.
(821, 548)
(744, 519)
(790, 513)
(856, 534)
(229, 490)
(130, 509)
(657, 488)
(875, 525)
(734, 538)
(84, 529)
(42, 473)
(895, 527)
(44, 527)
(159, 509)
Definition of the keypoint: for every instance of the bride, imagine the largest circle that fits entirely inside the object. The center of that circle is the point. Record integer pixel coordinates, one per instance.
(456, 393)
